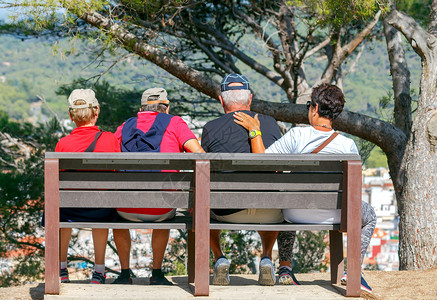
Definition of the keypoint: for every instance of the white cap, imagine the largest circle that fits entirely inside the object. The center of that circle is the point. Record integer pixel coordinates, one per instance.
(86, 95)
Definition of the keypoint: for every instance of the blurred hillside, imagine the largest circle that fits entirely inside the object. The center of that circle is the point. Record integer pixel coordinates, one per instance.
(39, 67)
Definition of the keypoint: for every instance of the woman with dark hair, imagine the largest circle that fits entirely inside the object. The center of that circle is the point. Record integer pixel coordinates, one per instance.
(327, 102)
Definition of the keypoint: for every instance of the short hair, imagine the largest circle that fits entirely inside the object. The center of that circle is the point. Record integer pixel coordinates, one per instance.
(83, 116)
(330, 100)
(236, 97)
(158, 107)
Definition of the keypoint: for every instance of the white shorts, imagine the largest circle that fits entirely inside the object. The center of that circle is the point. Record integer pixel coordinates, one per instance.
(147, 218)
(252, 215)
(312, 216)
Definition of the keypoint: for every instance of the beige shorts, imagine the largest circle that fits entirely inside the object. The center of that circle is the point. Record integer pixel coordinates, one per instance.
(147, 218)
(252, 215)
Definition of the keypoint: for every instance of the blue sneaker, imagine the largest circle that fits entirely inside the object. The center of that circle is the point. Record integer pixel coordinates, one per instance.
(364, 285)
(266, 272)
(286, 276)
(221, 272)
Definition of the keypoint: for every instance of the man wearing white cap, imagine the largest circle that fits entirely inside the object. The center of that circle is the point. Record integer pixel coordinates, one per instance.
(163, 133)
(84, 111)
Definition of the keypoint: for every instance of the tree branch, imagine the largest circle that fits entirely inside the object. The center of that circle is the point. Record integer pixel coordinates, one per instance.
(419, 39)
(383, 134)
(401, 78)
(341, 53)
(317, 48)
(174, 66)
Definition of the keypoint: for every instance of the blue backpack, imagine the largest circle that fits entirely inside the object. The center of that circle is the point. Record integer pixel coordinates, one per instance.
(135, 140)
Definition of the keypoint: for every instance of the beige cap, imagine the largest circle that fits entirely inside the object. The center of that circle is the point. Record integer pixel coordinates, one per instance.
(159, 95)
(86, 95)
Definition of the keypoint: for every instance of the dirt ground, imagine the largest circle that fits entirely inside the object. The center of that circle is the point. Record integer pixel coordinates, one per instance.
(385, 285)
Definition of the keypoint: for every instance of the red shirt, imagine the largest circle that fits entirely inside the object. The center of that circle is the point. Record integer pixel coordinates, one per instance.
(173, 140)
(175, 136)
(81, 137)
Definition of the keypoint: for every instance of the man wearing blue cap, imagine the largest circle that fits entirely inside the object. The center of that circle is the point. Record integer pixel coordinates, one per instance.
(223, 135)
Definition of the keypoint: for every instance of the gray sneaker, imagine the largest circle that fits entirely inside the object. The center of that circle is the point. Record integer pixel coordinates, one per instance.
(221, 271)
(266, 272)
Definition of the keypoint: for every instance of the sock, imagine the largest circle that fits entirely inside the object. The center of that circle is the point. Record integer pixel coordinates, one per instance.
(99, 268)
(63, 264)
(157, 273)
(222, 256)
(125, 273)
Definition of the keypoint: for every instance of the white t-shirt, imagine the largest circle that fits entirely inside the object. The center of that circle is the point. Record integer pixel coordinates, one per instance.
(305, 140)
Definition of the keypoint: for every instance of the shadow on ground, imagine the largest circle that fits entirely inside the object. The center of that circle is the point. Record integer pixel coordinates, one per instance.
(37, 293)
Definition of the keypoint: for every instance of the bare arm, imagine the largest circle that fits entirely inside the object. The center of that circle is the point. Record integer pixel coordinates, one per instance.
(193, 146)
(251, 124)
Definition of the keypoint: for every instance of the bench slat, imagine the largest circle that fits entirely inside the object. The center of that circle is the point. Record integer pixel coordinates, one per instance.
(276, 181)
(126, 180)
(280, 165)
(120, 164)
(273, 227)
(303, 200)
(176, 223)
(128, 199)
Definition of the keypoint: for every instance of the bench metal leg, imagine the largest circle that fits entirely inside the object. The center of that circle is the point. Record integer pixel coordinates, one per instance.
(51, 207)
(336, 251)
(353, 171)
(191, 256)
(201, 227)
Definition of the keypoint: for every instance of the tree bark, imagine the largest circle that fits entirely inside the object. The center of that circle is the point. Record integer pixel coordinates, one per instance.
(402, 100)
(418, 201)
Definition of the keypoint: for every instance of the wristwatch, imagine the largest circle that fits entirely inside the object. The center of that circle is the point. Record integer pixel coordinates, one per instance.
(254, 133)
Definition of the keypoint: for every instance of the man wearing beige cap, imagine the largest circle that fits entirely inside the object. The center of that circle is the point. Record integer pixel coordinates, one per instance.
(84, 111)
(152, 130)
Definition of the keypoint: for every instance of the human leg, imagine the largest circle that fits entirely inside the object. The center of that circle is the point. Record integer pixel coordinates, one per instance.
(368, 223)
(122, 241)
(214, 239)
(268, 239)
(221, 267)
(266, 269)
(159, 244)
(100, 238)
(64, 236)
(285, 248)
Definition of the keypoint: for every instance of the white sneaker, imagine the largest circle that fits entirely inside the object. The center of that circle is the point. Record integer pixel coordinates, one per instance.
(266, 272)
(221, 271)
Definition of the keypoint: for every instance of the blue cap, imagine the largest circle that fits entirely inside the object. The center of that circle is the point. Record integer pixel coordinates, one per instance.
(231, 78)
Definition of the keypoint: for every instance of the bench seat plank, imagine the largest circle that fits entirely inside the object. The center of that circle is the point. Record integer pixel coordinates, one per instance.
(126, 180)
(128, 199)
(176, 224)
(273, 227)
(303, 200)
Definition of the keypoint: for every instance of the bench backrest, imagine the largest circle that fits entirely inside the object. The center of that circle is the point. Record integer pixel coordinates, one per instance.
(237, 180)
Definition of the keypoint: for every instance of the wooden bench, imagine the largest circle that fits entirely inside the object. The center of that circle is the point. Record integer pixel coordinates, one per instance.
(206, 181)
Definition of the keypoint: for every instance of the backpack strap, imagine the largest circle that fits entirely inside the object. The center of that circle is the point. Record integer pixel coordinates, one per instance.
(135, 140)
(92, 146)
(326, 142)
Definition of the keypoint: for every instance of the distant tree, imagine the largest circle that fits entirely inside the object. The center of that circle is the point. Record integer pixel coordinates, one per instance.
(22, 147)
(309, 252)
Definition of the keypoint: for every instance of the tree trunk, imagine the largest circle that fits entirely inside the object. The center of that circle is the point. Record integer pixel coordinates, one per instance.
(418, 205)
(418, 201)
